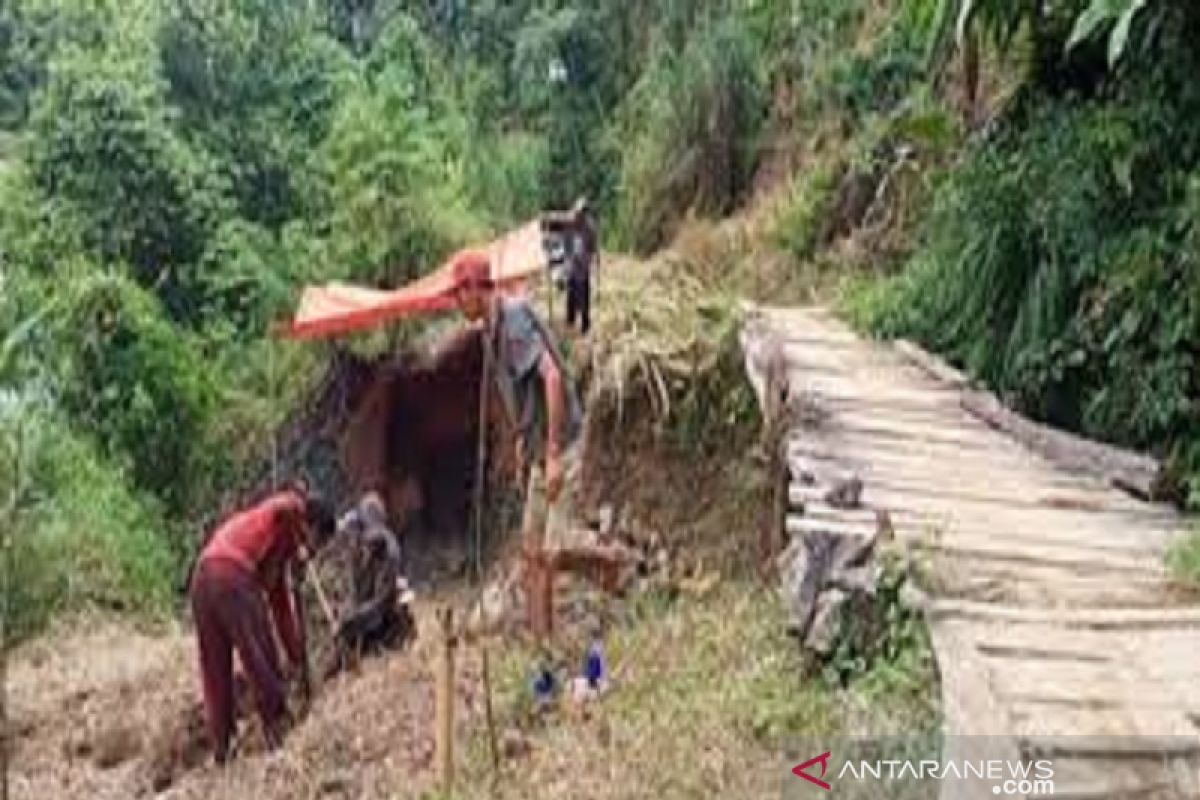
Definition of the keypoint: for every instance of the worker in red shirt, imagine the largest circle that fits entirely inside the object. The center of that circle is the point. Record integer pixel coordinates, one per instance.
(241, 570)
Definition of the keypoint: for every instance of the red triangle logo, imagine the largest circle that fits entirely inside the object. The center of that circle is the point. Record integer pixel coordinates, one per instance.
(799, 770)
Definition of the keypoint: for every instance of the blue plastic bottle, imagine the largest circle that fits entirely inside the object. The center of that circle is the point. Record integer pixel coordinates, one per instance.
(593, 664)
(544, 685)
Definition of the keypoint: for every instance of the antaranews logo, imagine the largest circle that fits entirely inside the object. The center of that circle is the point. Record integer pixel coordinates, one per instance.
(1005, 777)
(800, 770)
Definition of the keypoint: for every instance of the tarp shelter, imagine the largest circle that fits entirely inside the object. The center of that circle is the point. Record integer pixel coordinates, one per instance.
(337, 308)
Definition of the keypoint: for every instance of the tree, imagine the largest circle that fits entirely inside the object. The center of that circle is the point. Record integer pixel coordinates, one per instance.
(103, 150)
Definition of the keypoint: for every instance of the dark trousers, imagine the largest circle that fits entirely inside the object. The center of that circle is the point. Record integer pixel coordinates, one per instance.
(579, 302)
(230, 613)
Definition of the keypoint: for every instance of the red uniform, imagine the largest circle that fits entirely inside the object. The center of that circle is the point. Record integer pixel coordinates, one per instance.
(243, 566)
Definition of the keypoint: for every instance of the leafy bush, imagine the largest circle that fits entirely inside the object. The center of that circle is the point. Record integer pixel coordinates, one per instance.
(797, 225)
(102, 147)
(398, 191)
(1060, 259)
(134, 382)
(73, 534)
(1183, 559)
(689, 133)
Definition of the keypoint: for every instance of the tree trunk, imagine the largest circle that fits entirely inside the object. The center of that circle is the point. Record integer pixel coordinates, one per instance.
(971, 75)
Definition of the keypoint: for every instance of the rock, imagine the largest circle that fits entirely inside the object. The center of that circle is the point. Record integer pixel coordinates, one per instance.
(846, 492)
(336, 785)
(827, 619)
(820, 562)
(514, 744)
(115, 746)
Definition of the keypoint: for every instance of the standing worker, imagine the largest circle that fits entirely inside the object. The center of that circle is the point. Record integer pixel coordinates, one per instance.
(540, 398)
(241, 570)
(577, 230)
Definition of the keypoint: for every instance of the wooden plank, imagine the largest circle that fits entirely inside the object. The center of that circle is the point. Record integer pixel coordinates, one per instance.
(1039, 554)
(907, 525)
(1184, 617)
(798, 526)
(1075, 501)
(930, 364)
(1048, 538)
(1134, 472)
(947, 506)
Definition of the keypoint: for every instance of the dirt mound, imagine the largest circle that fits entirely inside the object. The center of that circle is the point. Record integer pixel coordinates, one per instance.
(105, 711)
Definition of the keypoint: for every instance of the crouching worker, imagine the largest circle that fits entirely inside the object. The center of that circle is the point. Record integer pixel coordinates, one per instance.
(241, 570)
(380, 617)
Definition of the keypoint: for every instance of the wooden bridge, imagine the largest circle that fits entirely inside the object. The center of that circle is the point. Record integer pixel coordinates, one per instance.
(1055, 626)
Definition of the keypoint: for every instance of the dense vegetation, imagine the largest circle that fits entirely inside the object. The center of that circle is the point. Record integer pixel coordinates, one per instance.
(170, 174)
(1027, 181)
(1060, 260)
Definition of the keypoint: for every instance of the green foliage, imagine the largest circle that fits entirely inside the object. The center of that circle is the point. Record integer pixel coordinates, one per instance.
(59, 552)
(953, 21)
(887, 645)
(1183, 559)
(1116, 15)
(690, 130)
(398, 193)
(134, 382)
(718, 414)
(797, 225)
(1059, 262)
(256, 85)
(102, 148)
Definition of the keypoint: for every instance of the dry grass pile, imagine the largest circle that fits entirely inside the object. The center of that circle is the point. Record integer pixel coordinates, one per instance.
(658, 327)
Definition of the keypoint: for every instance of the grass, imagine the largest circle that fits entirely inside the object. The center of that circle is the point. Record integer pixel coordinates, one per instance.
(708, 699)
(1183, 559)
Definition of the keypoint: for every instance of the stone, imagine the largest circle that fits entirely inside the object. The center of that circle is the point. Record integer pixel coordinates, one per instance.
(514, 744)
(114, 746)
(846, 492)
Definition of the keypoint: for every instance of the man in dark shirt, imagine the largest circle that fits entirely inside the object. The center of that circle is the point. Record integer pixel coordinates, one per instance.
(577, 230)
(540, 399)
(379, 615)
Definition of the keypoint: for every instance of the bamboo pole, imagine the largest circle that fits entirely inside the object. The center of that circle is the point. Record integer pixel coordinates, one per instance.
(5, 565)
(322, 598)
(485, 384)
(444, 732)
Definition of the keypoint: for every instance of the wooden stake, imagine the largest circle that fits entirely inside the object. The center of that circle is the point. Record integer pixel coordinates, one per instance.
(444, 741)
(493, 743)
(14, 502)
(326, 608)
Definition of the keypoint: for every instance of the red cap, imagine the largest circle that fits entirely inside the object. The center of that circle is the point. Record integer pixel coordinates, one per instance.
(472, 269)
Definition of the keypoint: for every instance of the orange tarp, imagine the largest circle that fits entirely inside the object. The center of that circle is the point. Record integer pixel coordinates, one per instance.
(338, 308)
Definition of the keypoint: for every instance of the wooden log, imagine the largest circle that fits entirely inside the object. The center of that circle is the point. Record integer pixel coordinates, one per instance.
(1135, 473)
(930, 364)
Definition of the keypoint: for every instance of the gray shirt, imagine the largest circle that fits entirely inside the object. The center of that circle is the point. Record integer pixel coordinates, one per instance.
(522, 340)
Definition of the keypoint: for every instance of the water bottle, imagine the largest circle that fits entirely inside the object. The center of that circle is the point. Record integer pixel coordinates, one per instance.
(544, 685)
(593, 664)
